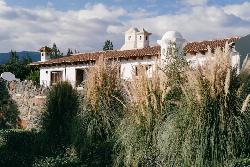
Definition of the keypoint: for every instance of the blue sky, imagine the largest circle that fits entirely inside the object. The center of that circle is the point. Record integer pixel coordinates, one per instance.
(165, 5)
(85, 25)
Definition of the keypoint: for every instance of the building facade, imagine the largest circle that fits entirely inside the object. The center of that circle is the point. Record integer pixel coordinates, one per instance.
(135, 52)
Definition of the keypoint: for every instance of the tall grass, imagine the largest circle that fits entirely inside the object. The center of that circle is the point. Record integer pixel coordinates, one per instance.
(211, 127)
(102, 110)
(150, 102)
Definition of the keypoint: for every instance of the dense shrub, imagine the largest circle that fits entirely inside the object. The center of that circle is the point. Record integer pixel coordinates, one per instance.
(102, 110)
(18, 148)
(59, 117)
(69, 159)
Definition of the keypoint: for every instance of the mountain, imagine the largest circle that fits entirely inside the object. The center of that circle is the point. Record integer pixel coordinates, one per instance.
(35, 56)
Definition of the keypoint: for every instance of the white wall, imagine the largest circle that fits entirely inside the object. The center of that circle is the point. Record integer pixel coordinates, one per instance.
(128, 66)
(69, 70)
(45, 74)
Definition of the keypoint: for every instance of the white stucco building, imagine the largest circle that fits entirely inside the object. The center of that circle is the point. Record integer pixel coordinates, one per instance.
(135, 52)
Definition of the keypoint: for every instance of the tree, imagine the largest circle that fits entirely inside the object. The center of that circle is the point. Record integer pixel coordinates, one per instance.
(16, 66)
(55, 52)
(70, 52)
(108, 45)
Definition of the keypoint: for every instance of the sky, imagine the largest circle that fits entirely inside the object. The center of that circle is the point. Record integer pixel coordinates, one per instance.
(84, 25)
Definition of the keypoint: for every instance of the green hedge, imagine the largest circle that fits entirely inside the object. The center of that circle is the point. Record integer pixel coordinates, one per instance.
(20, 148)
(17, 147)
(244, 162)
(57, 161)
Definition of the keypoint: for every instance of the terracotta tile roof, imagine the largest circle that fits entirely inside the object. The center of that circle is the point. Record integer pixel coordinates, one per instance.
(203, 45)
(192, 47)
(92, 56)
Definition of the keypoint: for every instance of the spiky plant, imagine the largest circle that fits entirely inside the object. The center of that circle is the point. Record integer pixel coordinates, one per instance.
(211, 127)
(102, 110)
(58, 119)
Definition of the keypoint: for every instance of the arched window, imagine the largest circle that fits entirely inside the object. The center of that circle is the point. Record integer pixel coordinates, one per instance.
(146, 38)
(140, 37)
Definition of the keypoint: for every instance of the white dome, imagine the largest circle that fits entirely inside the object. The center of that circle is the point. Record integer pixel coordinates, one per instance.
(172, 35)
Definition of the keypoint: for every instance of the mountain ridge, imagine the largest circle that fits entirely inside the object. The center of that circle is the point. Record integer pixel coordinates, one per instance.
(35, 56)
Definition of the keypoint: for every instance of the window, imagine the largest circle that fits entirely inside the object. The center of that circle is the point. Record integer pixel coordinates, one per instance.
(140, 37)
(56, 76)
(136, 70)
(129, 37)
(143, 69)
(146, 38)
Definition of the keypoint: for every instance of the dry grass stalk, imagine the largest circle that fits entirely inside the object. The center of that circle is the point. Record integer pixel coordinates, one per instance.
(245, 104)
(103, 79)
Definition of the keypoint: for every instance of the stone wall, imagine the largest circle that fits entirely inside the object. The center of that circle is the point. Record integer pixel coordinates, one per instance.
(30, 100)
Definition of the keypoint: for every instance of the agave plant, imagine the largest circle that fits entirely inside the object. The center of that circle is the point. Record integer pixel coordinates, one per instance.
(211, 127)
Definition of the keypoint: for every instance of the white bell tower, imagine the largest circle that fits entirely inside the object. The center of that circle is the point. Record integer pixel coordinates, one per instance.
(135, 39)
(45, 51)
(143, 38)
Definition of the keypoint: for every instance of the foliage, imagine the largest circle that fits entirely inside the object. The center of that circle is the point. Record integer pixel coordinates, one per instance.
(34, 76)
(17, 148)
(151, 101)
(58, 119)
(243, 162)
(63, 160)
(8, 108)
(55, 52)
(16, 66)
(108, 45)
(70, 52)
(102, 110)
(211, 126)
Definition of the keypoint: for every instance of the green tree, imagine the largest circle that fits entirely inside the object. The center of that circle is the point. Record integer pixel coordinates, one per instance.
(70, 52)
(55, 52)
(108, 45)
(20, 68)
(34, 76)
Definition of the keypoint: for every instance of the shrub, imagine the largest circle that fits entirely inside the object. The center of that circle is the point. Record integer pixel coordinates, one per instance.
(244, 162)
(211, 126)
(102, 110)
(34, 76)
(18, 148)
(69, 159)
(58, 119)
(8, 108)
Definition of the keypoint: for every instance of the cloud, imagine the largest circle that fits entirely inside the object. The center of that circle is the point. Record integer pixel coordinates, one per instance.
(194, 2)
(88, 28)
(198, 23)
(240, 10)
